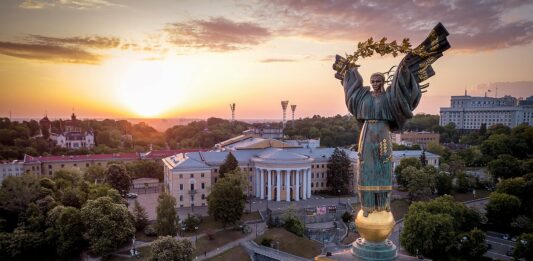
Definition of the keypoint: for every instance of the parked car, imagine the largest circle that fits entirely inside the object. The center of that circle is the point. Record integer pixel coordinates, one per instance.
(131, 195)
(505, 236)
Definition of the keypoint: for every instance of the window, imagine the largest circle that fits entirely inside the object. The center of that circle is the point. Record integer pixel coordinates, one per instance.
(192, 187)
(316, 185)
(49, 166)
(192, 175)
(181, 197)
(216, 180)
(203, 196)
(62, 165)
(203, 185)
(312, 185)
(202, 175)
(181, 186)
(322, 165)
(215, 170)
(86, 164)
(312, 175)
(321, 184)
(250, 169)
(75, 165)
(50, 173)
(181, 176)
(312, 166)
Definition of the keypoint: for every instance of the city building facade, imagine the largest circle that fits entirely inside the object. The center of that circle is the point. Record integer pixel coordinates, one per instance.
(411, 138)
(470, 113)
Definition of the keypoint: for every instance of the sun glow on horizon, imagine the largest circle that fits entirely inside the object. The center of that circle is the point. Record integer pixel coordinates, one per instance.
(152, 88)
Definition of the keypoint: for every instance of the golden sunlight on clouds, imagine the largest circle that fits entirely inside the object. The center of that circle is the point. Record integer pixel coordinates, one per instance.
(151, 88)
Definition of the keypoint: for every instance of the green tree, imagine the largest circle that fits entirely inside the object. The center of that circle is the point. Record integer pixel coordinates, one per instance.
(230, 164)
(465, 182)
(404, 163)
(94, 173)
(339, 174)
(472, 244)
(423, 159)
(512, 186)
(146, 169)
(140, 216)
(499, 208)
(117, 176)
(420, 183)
(524, 247)
(168, 248)
(68, 225)
(226, 201)
(109, 225)
(443, 183)
(506, 166)
(167, 216)
(431, 228)
(191, 222)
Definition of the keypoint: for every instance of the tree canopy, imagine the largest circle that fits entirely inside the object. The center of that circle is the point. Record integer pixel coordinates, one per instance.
(230, 164)
(168, 248)
(226, 200)
(167, 216)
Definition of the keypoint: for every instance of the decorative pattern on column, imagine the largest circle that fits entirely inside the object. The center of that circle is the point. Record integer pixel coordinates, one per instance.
(262, 184)
(304, 184)
(288, 185)
(297, 186)
(269, 188)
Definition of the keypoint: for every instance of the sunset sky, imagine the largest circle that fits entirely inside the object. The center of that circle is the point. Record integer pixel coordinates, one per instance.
(191, 59)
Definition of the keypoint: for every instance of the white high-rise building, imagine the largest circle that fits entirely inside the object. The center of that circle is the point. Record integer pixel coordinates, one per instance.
(469, 113)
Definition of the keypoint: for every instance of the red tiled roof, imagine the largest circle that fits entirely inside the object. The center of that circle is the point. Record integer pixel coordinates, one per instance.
(114, 156)
(154, 154)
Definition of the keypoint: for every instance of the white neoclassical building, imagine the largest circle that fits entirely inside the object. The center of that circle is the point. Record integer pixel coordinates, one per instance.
(277, 170)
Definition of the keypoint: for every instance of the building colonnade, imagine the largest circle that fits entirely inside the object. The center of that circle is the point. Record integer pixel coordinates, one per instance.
(283, 183)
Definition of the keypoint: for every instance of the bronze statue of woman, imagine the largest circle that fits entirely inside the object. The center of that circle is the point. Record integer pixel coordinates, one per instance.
(379, 112)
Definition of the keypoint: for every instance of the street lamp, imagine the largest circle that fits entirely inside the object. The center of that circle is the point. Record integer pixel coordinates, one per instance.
(339, 195)
(196, 234)
(323, 244)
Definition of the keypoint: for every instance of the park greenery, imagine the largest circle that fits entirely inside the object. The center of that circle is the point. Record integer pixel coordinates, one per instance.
(443, 229)
(169, 248)
(47, 218)
(230, 164)
(226, 201)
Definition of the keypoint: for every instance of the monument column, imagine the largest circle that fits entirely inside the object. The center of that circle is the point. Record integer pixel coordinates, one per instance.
(262, 184)
(269, 188)
(288, 185)
(257, 183)
(278, 182)
(297, 185)
(304, 184)
(308, 173)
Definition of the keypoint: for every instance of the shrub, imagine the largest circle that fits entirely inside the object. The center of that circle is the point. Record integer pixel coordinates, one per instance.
(191, 222)
(150, 231)
(295, 226)
(267, 242)
(347, 217)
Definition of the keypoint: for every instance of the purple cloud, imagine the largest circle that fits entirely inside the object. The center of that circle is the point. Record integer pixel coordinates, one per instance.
(216, 34)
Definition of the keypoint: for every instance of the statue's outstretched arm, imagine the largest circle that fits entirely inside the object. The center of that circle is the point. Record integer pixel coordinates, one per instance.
(353, 89)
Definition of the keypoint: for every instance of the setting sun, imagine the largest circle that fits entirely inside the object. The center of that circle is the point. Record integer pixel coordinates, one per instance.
(151, 88)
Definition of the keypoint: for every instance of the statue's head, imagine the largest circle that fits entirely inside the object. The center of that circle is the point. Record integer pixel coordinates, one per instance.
(377, 80)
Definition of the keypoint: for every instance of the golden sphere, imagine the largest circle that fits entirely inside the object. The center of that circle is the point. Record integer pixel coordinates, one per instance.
(376, 227)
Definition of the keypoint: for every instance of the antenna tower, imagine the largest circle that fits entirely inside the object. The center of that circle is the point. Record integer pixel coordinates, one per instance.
(284, 107)
(232, 107)
(293, 108)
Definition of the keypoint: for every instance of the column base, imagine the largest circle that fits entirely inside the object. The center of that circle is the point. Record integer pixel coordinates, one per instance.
(374, 251)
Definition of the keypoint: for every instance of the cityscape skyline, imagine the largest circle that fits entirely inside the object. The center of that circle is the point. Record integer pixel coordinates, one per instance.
(190, 59)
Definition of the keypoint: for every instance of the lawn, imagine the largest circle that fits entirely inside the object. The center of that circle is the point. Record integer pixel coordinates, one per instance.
(145, 253)
(399, 208)
(140, 236)
(291, 243)
(236, 253)
(209, 223)
(220, 238)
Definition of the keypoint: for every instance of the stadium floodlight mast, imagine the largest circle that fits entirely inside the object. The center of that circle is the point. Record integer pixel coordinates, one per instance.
(284, 107)
(232, 107)
(293, 108)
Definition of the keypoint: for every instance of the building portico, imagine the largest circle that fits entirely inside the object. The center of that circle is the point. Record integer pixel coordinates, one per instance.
(282, 175)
